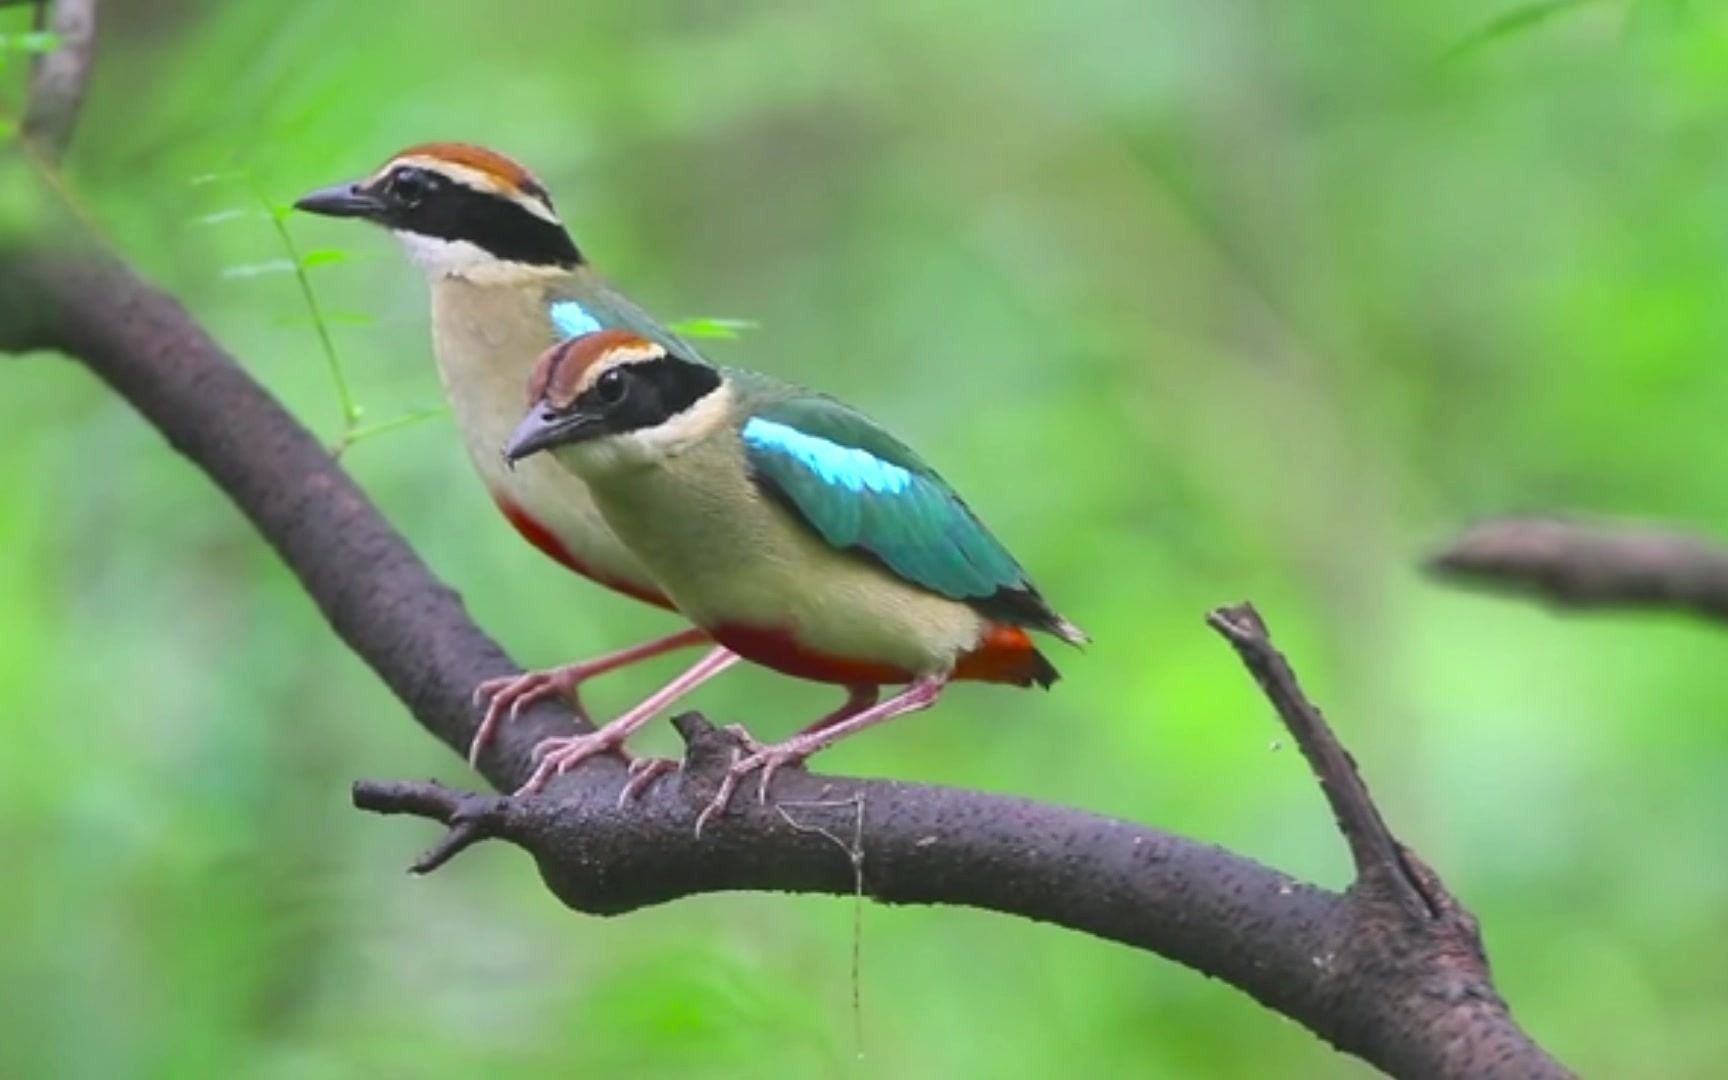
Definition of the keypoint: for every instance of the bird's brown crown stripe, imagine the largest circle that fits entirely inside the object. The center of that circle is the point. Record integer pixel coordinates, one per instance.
(490, 162)
(558, 376)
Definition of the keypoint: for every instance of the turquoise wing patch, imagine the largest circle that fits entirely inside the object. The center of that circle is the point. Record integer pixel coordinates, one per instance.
(596, 306)
(836, 465)
(860, 489)
(570, 319)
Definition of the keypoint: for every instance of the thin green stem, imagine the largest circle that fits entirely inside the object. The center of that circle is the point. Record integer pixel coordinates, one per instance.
(1516, 21)
(351, 411)
(358, 434)
(52, 177)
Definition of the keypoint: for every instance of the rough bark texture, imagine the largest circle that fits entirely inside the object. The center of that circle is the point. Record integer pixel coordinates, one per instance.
(1392, 969)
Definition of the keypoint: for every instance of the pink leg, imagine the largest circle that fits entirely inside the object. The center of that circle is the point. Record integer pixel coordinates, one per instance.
(818, 737)
(512, 693)
(561, 755)
(858, 698)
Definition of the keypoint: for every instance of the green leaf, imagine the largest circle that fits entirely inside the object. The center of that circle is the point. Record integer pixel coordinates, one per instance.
(723, 329)
(1518, 20)
(235, 213)
(323, 257)
(407, 419)
(251, 270)
(37, 42)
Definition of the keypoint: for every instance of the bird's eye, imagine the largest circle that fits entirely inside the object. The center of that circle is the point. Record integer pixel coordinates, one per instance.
(611, 386)
(410, 186)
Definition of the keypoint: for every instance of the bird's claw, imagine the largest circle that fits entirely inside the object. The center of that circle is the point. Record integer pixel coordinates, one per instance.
(767, 760)
(643, 772)
(561, 754)
(508, 695)
(742, 735)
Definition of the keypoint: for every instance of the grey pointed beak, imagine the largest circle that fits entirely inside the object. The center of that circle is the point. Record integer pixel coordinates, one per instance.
(341, 200)
(543, 429)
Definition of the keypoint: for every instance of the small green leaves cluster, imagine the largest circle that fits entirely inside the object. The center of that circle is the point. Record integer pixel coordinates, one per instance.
(30, 43)
(300, 264)
(717, 329)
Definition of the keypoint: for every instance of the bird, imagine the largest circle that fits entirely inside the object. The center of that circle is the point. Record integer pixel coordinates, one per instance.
(507, 281)
(797, 532)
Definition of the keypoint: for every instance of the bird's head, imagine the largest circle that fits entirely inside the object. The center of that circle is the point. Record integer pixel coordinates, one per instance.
(611, 401)
(460, 210)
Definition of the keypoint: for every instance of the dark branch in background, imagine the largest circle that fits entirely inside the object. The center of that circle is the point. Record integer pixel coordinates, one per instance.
(1391, 969)
(1581, 565)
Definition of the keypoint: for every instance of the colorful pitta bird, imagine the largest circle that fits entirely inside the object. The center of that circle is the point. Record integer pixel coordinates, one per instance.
(506, 282)
(794, 530)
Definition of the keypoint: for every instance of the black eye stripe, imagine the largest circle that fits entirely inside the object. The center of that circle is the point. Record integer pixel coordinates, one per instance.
(651, 392)
(411, 185)
(427, 203)
(612, 386)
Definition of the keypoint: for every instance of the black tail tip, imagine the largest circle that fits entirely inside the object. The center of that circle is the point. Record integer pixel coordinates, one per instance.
(1044, 673)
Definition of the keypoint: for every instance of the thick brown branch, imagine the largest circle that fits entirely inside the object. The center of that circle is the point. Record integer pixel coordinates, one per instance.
(1581, 565)
(1406, 990)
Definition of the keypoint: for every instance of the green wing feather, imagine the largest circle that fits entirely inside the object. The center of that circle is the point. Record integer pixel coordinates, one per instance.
(861, 489)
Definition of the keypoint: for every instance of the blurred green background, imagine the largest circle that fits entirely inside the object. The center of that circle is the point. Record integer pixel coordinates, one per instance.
(1195, 302)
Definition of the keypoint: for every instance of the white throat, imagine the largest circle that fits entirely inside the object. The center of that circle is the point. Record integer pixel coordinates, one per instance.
(469, 261)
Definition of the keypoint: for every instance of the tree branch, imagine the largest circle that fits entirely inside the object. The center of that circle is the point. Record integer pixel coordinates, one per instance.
(1379, 858)
(1392, 969)
(1404, 985)
(1579, 565)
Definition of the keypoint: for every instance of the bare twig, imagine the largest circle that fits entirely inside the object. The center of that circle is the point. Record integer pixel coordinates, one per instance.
(1583, 565)
(469, 818)
(1379, 858)
(59, 78)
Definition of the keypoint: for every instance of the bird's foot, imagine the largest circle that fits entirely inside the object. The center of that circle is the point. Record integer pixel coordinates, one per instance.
(860, 711)
(643, 772)
(766, 760)
(559, 755)
(749, 742)
(508, 695)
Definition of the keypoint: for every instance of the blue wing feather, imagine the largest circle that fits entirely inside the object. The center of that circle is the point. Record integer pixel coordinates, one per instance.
(570, 319)
(585, 304)
(860, 489)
